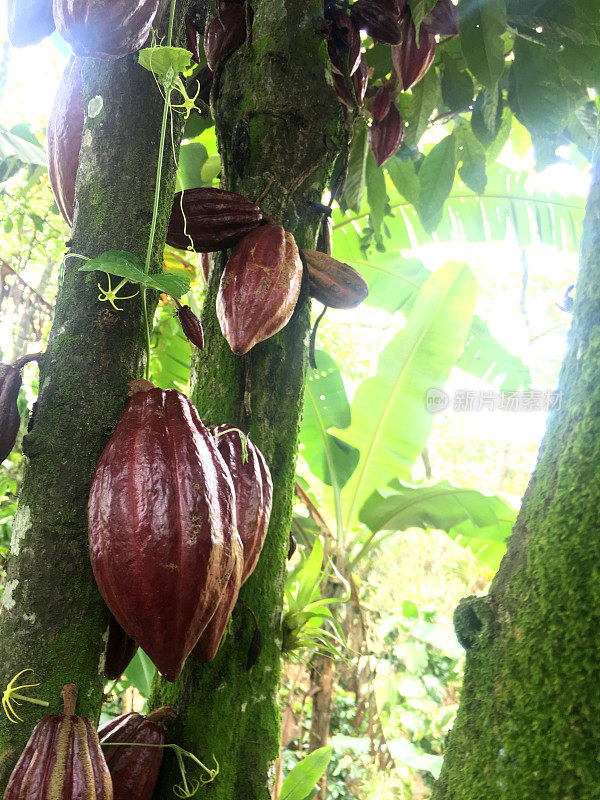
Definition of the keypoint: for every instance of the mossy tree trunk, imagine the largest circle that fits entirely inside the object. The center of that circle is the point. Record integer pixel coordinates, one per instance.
(53, 620)
(528, 724)
(277, 81)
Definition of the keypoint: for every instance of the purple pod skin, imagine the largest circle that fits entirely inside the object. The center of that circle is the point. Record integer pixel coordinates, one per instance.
(224, 33)
(443, 19)
(120, 649)
(385, 137)
(381, 103)
(379, 19)
(412, 62)
(10, 419)
(29, 21)
(191, 325)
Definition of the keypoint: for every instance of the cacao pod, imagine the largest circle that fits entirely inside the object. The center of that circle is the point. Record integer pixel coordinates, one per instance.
(62, 760)
(292, 546)
(214, 219)
(120, 649)
(104, 30)
(379, 19)
(324, 235)
(10, 419)
(352, 97)
(343, 42)
(162, 529)
(190, 325)
(360, 80)
(385, 137)
(332, 282)
(381, 103)
(134, 770)
(259, 287)
(442, 19)
(29, 21)
(192, 40)
(412, 62)
(63, 138)
(224, 33)
(205, 265)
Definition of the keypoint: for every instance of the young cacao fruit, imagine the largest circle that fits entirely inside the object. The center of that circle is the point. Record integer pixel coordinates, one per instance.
(63, 138)
(259, 287)
(29, 21)
(332, 282)
(343, 42)
(191, 325)
(214, 219)
(134, 770)
(379, 19)
(224, 33)
(351, 92)
(385, 137)
(412, 62)
(62, 759)
(10, 419)
(192, 40)
(442, 19)
(104, 30)
(324, 235)
(360, 80)
(162, 528)
(381, 103)
(120, 649)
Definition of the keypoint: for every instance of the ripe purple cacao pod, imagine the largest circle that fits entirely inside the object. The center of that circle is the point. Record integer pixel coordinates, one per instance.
(379, 19)
(224, 33)
(162, 528)
(104, 30)
(332, 282)
(190, 325)
(62, 760)
(253, 490)
(214, 219)
(120, 649)
(343, 42)
(442, 19)
(192, 40)
(259, 287)
(63, 138)
(385, 137)
(381, 103)
(29, 21)
(10, 419)
(412, 62)
(134, 770)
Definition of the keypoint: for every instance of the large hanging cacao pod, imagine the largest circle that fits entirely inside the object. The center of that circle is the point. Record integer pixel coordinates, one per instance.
(10, 419)
(214, 219)
(62, 760)
(412, 62)
(343, 42)
(385, 135)
(332, 282)
(105, 29)
(259, 287)
(134, 770)
(64, 133)
(162, 529)
(379, 19)
(443, 19)
(224, 33)
(120, 649)
(29, 21)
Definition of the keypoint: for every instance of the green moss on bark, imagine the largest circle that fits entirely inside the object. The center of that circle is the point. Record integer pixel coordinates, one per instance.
(528, 722)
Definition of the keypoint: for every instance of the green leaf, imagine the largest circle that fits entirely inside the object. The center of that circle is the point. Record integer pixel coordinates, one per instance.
(376, 194)
(26, 151)
(308, 577)
(424, 97)
(419, 10)
(436, 177)
(211, 169)
(484, 357)
(140, 672)
(171, 354)
(123, 264)
(472, 154)
(192, 157)
(457, 85)
(486, 117)
(404, 178)
(482, 25)
(357, 167)
(165, 61)
(418, 358)
(300, 783)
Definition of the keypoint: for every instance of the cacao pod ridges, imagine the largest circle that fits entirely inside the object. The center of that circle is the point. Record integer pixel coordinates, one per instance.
(385, 136)
(332, 282)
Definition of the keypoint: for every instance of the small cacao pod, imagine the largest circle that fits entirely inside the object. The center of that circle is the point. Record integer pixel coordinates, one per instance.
(120, 649)
(104, 30)
(191, 325)
(292, 546)
(379, 19)
(343, 42)
(381, 103)
(324, 235)
(162, 530)
(443, 19)
(134, 770)
(29, 21)
(412, 62)
(192, 40)
(214, 219)
(259, 287)
(63, 138)
(385, 137)
(332, 282)
(62, 759)
(360, 81)
(351, 92)
(10, 419)
(224, 33)
(253, 490)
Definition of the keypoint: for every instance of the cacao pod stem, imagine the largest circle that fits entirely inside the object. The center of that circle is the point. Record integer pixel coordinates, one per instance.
(313, 339)
(69, 697)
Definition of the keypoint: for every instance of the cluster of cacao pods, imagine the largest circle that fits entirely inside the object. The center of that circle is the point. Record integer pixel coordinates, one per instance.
(388, 22)
(178, 513)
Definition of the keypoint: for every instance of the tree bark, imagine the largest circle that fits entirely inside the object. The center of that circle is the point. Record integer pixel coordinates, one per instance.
(277, 81)
(528, 726)
(53, 620)
(321, 690)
